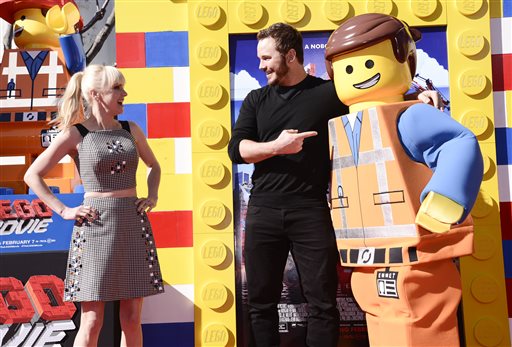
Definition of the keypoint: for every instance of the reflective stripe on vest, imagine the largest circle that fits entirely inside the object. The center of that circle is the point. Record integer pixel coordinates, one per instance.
(378, 156)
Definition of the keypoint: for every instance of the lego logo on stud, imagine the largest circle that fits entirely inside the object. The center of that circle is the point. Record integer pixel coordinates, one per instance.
(424, 8)
(212, 172)
(250, 12)
(379, 6)
(469, 7)
(488, 332)
(209, 92)
(476, 121)
(208, 53)
(484, 289)
(213, 212)
(336, 11)
(214, 295)
(207, 14)
(470, 43)
(472, 82)
(213, 253)
(215, 335)
(485, 246)
(293, 11)
(211, 132)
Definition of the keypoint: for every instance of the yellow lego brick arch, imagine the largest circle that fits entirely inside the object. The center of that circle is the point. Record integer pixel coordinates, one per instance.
(209, 25)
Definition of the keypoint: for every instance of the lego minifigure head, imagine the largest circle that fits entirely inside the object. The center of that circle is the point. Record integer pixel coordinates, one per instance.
(372, 59)
(29, 23)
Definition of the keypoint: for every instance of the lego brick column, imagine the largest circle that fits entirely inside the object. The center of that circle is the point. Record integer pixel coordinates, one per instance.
(152, 52)
(471, 80)
(214, 281)
(501, 50)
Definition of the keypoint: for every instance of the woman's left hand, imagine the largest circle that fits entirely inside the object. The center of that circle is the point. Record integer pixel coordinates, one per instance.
(145, 204)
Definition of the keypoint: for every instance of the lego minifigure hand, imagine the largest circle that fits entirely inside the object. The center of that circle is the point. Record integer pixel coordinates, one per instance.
(63, 21)
(437, 213)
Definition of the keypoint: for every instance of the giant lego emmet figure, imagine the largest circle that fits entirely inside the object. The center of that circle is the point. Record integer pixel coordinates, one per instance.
(404, 179)
(33, 76)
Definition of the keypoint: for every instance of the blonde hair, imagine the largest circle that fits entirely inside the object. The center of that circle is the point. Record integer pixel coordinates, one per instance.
(74, 106)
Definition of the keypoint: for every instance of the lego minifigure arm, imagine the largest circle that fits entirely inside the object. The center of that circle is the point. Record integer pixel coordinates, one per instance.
(63, 21)
(452, 152)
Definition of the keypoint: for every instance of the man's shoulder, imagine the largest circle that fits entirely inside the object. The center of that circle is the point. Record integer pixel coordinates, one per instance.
(315, 80)
(318, 84)
(258, 93)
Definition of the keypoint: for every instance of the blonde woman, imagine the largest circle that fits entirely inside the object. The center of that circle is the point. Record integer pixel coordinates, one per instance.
(112, 253)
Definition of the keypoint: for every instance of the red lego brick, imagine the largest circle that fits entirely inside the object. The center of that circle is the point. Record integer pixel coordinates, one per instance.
(131, 50)
(168, 120)
(501, 72)
(172, 228)
(506, 220)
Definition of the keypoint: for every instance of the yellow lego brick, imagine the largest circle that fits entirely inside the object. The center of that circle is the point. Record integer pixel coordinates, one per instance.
(214, 290)
(249, 16)
(164, 153)
(215, 313)
(148, 85)
(141, 177)
(484, 291)
(177, 265)
(174, 193)
(212, 193)
(484, 298)
(209, 84)
(150, 16)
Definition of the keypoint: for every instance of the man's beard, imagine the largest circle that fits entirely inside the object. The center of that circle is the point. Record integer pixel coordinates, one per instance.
(280, 73)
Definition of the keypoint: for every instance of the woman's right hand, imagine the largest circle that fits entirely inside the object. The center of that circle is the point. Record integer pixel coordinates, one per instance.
(80, 213)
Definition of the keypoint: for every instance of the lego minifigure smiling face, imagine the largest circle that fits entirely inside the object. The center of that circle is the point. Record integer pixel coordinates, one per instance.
(38, 23)
(370, 74)
(31, 30)
(372, 59)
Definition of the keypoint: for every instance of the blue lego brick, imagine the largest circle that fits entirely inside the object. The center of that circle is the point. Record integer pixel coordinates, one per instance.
(168, 334)
(167, 48)
(507, 8)
(507, 257)
(136, 113)
(504, 146)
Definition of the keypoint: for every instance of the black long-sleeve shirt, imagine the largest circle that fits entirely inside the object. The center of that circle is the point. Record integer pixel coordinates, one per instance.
(294, 180)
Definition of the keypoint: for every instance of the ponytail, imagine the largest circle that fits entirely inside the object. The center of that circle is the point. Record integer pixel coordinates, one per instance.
(71, 106)
(74, 106)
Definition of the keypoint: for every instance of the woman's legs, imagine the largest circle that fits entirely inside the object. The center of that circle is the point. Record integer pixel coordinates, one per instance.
(130, 319)
(91, 321)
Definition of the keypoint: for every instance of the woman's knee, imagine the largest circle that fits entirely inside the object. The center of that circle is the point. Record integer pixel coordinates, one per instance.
(91, 318)
(130, 313)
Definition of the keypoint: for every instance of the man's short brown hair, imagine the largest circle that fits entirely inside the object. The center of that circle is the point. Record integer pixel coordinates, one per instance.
(286, 37)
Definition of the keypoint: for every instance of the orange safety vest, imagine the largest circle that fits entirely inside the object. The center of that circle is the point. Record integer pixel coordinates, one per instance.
(36, 88)
(375, 195)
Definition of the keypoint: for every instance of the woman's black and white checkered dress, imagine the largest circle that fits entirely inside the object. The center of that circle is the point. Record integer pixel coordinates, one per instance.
(114, 257)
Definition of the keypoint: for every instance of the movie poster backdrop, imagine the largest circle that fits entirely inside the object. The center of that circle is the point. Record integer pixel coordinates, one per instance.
(34, 243)
(432, 73)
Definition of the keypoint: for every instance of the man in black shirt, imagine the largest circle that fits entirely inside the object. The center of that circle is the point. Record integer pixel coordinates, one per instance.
(282, 129)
